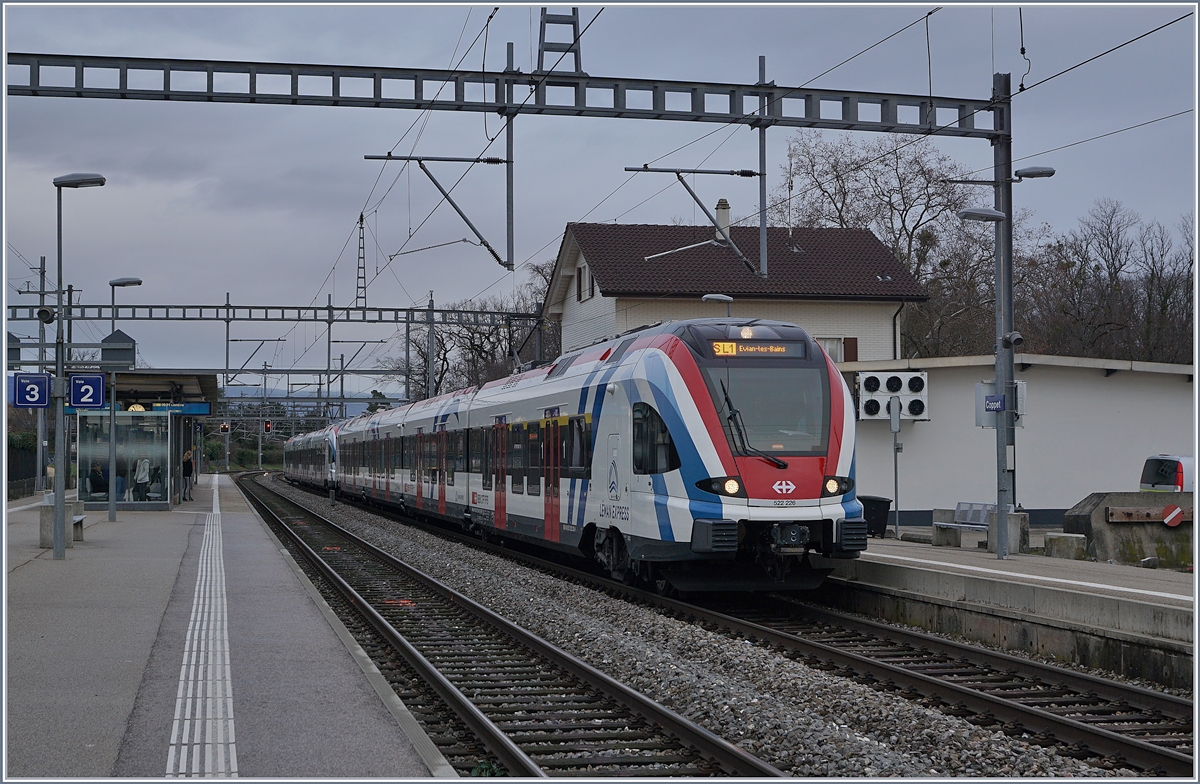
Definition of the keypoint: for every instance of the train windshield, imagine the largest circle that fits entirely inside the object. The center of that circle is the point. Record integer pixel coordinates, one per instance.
(784, 410)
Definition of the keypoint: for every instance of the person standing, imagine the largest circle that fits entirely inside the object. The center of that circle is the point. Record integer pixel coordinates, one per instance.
(188, 468)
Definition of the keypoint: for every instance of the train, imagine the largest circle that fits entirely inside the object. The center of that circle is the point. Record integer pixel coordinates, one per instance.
(694, 455)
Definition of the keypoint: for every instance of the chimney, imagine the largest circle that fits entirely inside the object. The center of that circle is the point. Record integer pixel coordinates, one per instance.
(722, 218)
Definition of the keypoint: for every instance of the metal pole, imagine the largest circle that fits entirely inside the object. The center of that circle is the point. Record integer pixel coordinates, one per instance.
(762, 172)
(40, 484)
(897, 448)
(227, 320)
(429, 384)
(60, 425)
(508, 156)
(342, 388)
(112, 420)
(70, 325)
(112, 445)
(1005, 442)
(407, 345)
(260, 417)
(329, 356)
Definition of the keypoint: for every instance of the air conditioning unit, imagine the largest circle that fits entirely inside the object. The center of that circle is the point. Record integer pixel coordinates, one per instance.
(876, 389)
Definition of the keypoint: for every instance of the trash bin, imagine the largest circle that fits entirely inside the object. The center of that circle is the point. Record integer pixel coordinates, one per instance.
(875, 512)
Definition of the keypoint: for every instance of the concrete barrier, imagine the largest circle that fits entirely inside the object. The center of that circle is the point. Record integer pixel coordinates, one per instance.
(1018, 532)
(1132, 541)
(1070, 546)
(74, 532)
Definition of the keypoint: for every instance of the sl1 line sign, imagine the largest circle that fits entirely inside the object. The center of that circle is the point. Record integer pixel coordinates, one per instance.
(32, 390)
(87, 391)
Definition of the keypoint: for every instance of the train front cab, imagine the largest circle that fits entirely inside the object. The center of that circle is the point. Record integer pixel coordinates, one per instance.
(769, 497)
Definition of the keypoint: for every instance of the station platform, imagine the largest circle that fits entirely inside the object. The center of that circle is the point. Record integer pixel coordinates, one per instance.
(187, 643)
(1134, 621)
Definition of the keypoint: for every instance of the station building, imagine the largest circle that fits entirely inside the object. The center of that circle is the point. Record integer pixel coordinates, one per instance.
(157, 420)
(1089, 424)
(842, 285)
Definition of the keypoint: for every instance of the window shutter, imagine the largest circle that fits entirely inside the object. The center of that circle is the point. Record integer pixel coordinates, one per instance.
(849, 349)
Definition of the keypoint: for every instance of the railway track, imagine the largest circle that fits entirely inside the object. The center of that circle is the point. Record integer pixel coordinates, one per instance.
(1086, 717)
(537, 710)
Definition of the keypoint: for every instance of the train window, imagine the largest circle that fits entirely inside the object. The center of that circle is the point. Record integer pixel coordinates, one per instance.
(449, 461)
(578, 447)
(476, 450)
(460, 450)
(516, 458)
(485, 456)
(653, 450)
(533, 458)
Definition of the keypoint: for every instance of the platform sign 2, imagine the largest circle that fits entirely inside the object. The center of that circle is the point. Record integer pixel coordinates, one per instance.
(32, 390)
(87, 391)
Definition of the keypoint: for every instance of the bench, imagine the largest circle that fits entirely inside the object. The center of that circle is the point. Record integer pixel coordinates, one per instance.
(967, 516)
(77, 527)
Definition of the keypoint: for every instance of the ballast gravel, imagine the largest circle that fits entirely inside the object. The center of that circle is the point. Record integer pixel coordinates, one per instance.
(804, 721)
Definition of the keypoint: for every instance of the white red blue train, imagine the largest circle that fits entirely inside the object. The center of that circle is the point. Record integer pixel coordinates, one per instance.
(709, 454)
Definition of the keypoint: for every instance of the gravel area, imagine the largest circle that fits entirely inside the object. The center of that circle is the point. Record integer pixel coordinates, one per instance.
(803, 721)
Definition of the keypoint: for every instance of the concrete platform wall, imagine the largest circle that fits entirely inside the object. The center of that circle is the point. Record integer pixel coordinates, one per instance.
(1129, 637)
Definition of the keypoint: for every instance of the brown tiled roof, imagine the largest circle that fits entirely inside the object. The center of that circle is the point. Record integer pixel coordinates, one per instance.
(829, 263)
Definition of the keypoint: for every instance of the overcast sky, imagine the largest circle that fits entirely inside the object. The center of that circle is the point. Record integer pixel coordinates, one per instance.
(260, 201)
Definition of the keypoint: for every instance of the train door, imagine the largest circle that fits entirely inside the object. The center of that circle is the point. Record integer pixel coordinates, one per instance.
(500, 443)
(388, 446)
(420, 464)
(552, 471)
(443, 458)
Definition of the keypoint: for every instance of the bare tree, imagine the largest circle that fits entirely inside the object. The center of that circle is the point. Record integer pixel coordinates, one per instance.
(467, 355)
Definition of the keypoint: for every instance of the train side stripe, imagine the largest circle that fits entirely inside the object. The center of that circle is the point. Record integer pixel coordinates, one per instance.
(661, 513)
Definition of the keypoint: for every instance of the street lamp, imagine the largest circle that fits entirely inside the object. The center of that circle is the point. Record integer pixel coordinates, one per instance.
(112, 403)
(728, 300)
(1007, 338)
(60, 383)
(114, 283)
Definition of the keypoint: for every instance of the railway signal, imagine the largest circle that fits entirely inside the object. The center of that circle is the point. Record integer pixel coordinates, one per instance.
(876, 389)
(267, 426)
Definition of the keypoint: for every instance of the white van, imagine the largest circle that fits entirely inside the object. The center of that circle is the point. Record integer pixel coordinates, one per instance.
(1169, 473)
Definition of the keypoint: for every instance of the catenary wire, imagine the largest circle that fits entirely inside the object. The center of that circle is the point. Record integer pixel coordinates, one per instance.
(987, 107)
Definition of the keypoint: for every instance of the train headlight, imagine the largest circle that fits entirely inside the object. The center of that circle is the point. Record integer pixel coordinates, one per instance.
(723, 485)
(836, 485)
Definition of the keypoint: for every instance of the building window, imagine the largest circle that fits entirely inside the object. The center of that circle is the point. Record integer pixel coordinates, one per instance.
(585, 284)
(833, 347)
(840, 349)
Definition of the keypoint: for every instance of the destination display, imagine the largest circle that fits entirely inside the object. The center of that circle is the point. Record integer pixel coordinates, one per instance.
(760, 348)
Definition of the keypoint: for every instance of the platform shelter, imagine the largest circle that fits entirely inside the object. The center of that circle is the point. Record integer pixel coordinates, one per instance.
(158, 419)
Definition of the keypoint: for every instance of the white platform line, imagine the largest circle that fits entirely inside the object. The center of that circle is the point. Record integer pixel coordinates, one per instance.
(1034, 577)
(202, 736)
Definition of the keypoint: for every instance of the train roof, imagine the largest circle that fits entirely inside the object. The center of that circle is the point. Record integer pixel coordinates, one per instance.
(579, 359)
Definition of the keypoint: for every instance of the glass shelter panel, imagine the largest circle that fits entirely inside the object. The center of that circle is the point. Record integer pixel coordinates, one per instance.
(143, 457)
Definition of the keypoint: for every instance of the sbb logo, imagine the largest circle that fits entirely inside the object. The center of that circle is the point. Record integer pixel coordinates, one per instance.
(876, 390)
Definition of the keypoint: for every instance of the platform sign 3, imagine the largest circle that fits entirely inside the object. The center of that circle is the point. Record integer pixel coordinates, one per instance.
(87, 391)
(32, 390)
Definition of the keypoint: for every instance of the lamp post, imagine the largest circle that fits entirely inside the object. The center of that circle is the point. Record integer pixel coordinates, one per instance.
(60, 383)
(1007, 338)
(112, 403)
(728, 300)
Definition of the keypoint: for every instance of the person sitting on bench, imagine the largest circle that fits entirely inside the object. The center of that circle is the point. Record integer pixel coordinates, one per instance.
(97, 481)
